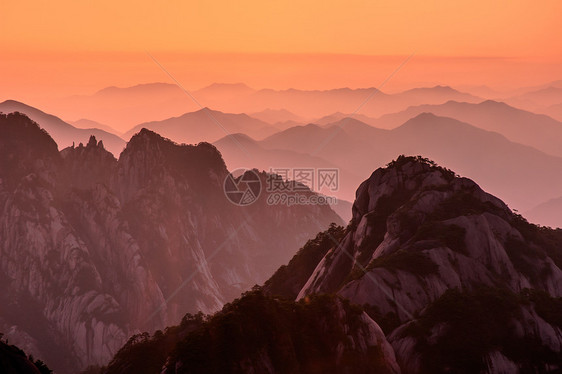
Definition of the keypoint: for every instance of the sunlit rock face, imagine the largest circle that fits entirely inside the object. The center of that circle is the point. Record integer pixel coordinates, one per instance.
(93, 249)
(419, 232)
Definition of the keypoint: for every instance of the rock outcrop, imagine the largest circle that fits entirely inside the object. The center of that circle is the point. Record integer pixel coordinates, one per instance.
(423, 244)
(94, 249)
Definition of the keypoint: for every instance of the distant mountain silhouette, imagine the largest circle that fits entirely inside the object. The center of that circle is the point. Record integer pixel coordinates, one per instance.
(436, 93)
(224, 89)
(338, 116)
(546, 96)
(85, 123)
(139, 89)
(503, 166)
(523, 90)
(540, 99)
(555, 111)
(343, 209)
(518, 173)
(548, 213)
(206, 125)
(331, 141)
(122, 108)
(520, 126)
(274, 116)
(480, 91)
(240, 151)
(63, 133)
(288, 124)
(345, 100)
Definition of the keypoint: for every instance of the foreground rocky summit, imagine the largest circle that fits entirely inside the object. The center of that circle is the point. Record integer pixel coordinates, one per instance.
(94, 249)
(458, 282)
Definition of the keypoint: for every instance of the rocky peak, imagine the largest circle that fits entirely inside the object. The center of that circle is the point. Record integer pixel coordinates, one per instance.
(150, 159)
(17, 127)
(85, 166)
(401, 178)
(25, 148)
(93, 146)
(144, 136)
(163, 151)
(92, 142)
(411, 191)
(419, 231)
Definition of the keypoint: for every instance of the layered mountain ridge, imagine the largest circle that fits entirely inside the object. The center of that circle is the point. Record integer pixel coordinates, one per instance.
(96, 248)
(62, 132)
(513, 171)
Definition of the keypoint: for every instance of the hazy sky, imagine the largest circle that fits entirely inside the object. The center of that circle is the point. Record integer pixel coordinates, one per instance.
(81, 46)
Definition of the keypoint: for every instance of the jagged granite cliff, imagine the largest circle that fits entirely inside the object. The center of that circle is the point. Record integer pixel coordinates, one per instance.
(94, 249)
(458, 282)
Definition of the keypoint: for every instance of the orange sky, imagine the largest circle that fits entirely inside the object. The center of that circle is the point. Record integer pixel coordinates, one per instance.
(70, 46)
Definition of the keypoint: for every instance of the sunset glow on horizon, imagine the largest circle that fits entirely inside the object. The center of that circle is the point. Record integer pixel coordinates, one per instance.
(68, 47)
